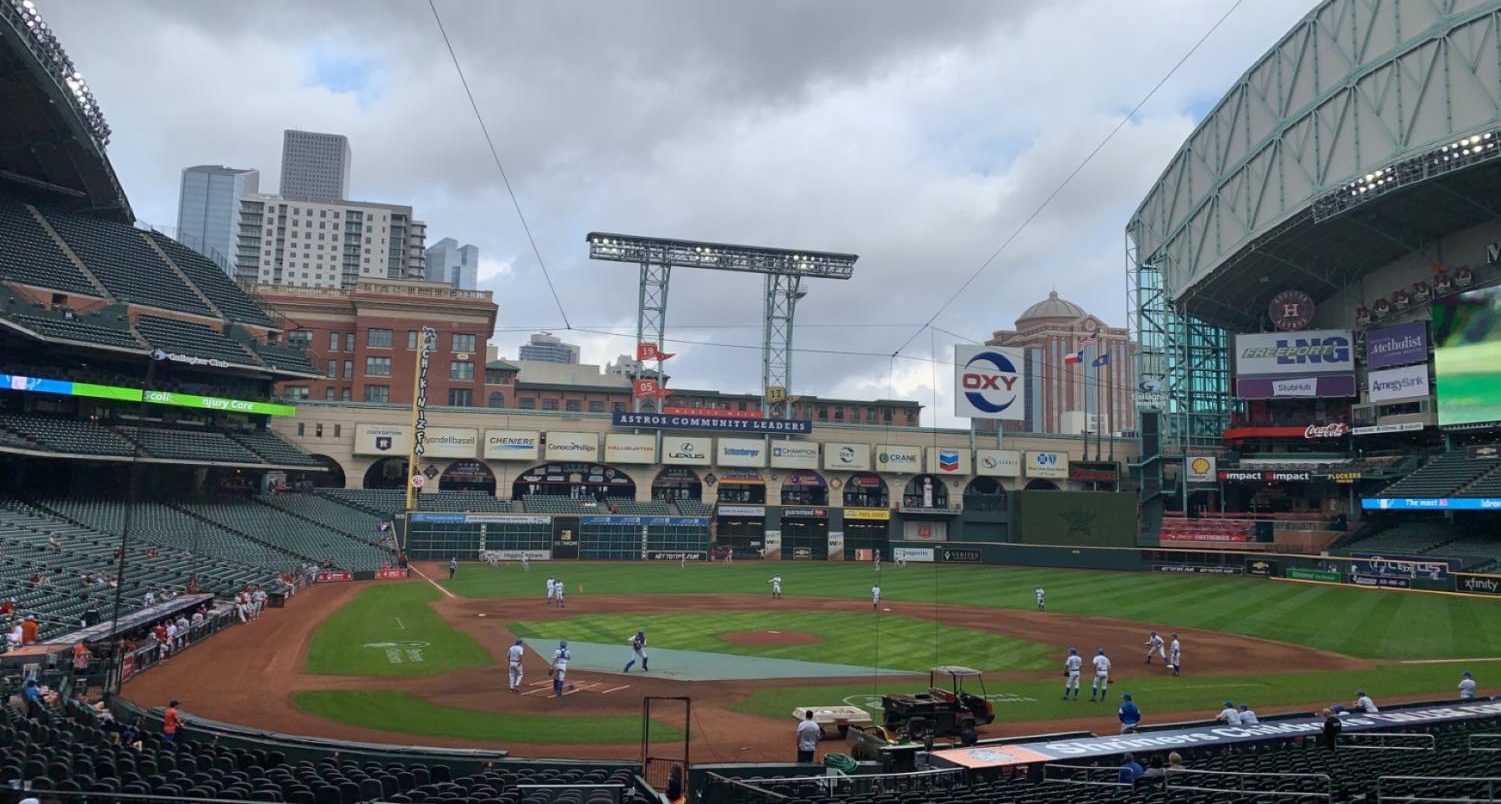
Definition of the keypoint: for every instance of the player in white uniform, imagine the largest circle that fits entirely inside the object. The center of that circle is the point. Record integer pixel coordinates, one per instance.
(559, 667)
(1156, 645)
(1247, 716)
(1175, 656)
(513, 664)
(551, 589)
(776, 586)
(526, 563)
(1467, 686)
(875, 596)
(557, 586)
(1364, 703)
(492, 558)
(1230, 716)
(1071, 667)
(1101, 681)
(1041, 606)
(638, 651)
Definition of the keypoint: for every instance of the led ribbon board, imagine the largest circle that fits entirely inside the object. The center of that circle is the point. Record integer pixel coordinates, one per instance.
(40, 385)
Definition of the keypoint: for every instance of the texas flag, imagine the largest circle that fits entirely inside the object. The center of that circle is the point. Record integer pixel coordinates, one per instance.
(1073, 358)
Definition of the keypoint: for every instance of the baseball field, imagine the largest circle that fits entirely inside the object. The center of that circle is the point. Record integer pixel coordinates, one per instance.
(422, 661)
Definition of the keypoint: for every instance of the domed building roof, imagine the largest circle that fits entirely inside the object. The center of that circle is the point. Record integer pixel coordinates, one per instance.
(1052, 307)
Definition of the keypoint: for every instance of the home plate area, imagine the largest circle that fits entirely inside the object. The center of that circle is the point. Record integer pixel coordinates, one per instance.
(544, 687)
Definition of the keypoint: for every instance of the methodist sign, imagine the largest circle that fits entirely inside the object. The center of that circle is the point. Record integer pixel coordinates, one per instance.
(988, 383)
(675, 421)
(1397, 346)
(1313, 363)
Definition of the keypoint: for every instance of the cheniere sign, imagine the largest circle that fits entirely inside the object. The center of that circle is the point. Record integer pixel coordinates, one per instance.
(675, 421)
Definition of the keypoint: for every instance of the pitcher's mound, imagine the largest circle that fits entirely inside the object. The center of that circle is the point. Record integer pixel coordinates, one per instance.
(770, 638)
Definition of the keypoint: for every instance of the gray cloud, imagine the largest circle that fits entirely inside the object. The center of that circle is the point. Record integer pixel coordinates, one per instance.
(918, 135)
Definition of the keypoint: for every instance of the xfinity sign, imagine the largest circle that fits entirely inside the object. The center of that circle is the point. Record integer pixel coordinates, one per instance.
(988, 383)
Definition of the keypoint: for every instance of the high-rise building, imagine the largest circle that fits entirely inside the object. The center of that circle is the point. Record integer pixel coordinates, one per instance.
(208, 210)
(456, 265)
(314, 166)
(545, 347)
(293, 241)
(1064, 395)
(624, 366)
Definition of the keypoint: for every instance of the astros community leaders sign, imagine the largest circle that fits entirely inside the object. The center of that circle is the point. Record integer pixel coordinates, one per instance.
(675, 421)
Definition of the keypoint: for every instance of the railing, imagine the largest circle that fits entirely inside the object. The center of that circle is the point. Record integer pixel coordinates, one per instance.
(1491, 784)
(841, 784)
(726, 790)
(1382, 740)
(1174, 778)
(1471, 746)
(617, 789)
(1086, 771)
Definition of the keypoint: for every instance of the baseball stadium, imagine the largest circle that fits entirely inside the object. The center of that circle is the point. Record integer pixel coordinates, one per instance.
(1281, 582)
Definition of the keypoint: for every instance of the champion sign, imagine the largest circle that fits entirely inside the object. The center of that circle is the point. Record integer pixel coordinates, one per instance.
(988, 384)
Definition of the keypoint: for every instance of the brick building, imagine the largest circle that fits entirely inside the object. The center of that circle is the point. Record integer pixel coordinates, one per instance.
(364, 339)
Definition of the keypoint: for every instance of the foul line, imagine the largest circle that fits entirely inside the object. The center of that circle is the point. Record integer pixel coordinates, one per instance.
(1449, 661)
(613, 689)
(433, 582)
(540, 689)
(400, 626)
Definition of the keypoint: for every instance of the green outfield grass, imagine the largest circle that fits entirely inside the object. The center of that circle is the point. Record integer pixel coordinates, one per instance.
(887, 641)
(1157, 692)
(391, 617)
(1373, 624)
(403, 712)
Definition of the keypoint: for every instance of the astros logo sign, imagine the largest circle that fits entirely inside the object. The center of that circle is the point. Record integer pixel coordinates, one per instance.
(989, 381)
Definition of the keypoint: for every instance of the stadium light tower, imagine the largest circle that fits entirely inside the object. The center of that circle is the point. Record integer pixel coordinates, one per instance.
(785, 270)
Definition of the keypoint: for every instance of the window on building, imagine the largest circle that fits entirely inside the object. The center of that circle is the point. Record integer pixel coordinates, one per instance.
(838, 414)
(886, 414)
(870, 414)
(377, 393)
(377, 366)
(328, 394)
(549, 404)
(349, 341)
(348, 369)
(344, 395)
(411, 337)
(322, 213)
(461, 397)
(318, 430)
(823, 414)
(333, 368)
(301, 429)
(461, 370)
(496, 400)
(333, 341)
(378, 338)
(618, 407)
(463, 343)
(596, 406)
(338, 429)
(526, 404)
(573, 406)
(301, 338)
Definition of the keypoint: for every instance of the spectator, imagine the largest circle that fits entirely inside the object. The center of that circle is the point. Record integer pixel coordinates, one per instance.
(1364, 703)
(1332, 728)
(1175, 763)
(675, 785)
(1248, 717)
(1129, 715)
(1155, 769)
(150, 598)
(197, 618)
(81, 658)
(31, 695)
(171, 724)
(1130, 771)
(1229, 715)
(1466, 686)
(808, 733)
(9, 607)
(29, 630)
(13, 637)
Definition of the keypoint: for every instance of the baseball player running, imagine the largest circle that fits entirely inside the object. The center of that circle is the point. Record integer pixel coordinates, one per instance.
(513, 663)
(875, 596)
(1175, 656)
(776, 586)
(1071, 667)
(638, 651)
(1041, 605)
(559, 667)
(1101, 681)
(552, 589)
(1157, 646)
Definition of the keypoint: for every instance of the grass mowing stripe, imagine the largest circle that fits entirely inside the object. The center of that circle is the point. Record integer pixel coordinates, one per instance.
(402, 712)
(361, 639)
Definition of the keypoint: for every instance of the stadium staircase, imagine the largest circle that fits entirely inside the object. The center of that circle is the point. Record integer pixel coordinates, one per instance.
(1443, 476)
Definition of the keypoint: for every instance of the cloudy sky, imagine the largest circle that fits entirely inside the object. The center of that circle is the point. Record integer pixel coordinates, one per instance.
(917, 135)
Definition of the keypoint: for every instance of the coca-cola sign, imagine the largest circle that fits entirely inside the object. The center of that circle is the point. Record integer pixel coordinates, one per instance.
(1331, 430)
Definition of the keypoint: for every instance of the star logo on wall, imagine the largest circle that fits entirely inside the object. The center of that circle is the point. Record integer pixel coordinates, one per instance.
(1078, 521)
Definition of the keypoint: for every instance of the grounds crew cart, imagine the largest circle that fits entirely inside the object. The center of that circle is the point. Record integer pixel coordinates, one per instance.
(942, 710)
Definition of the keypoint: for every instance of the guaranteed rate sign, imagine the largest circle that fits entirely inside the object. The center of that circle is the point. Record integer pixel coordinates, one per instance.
(674, 421)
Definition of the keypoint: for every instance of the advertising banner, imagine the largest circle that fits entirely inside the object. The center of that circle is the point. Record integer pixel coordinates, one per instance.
(335, 576)
(946, 461)
(961, 555)
(512, 445)
(867, 514)
(1310, 353)
(849, 457)
(574, 447)
(794, 455)
(1047, 465)
(1477, 584)
(1404, 382)
(452, 442)
(1410, 566)
(998, 463)
(672, 421)
(740, 452)
(898, 459)
(1204, 537)
(382, 439)
(988, 383)
(424, 360)
(805, 513)
(390, 574)
(1261, 566)
(1388, 581)
(1200, 468)
(627, 448)
(659, 555)
(1094, 471)
(516, 555)
(1397, 345)
(742, 510)
(1199, 569)
(1301, 574)
(836, 545)
(925, 531)
(1295, 388)
(921, 555)
(1431, 504)
(687, 450)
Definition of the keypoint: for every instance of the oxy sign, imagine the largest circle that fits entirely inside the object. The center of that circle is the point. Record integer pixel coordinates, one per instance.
(988, 383)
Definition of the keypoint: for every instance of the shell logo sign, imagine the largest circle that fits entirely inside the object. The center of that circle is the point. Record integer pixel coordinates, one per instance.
(1200, 468)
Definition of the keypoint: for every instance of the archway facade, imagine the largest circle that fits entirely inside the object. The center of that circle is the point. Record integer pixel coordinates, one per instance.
(468, 475)
(675, 483)
(740, 517)
(331, 479)
(866, 490)
(1042, 485)
(867, 518)
(578, 481)
(805, 487)
(985, 494)
(925, 491)
(805, 516)
(386, 473)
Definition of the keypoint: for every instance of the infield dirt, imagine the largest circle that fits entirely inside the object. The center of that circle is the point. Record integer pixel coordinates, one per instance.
(249, 674)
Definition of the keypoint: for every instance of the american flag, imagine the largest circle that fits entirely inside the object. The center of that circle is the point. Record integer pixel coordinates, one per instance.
(1089, 339)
